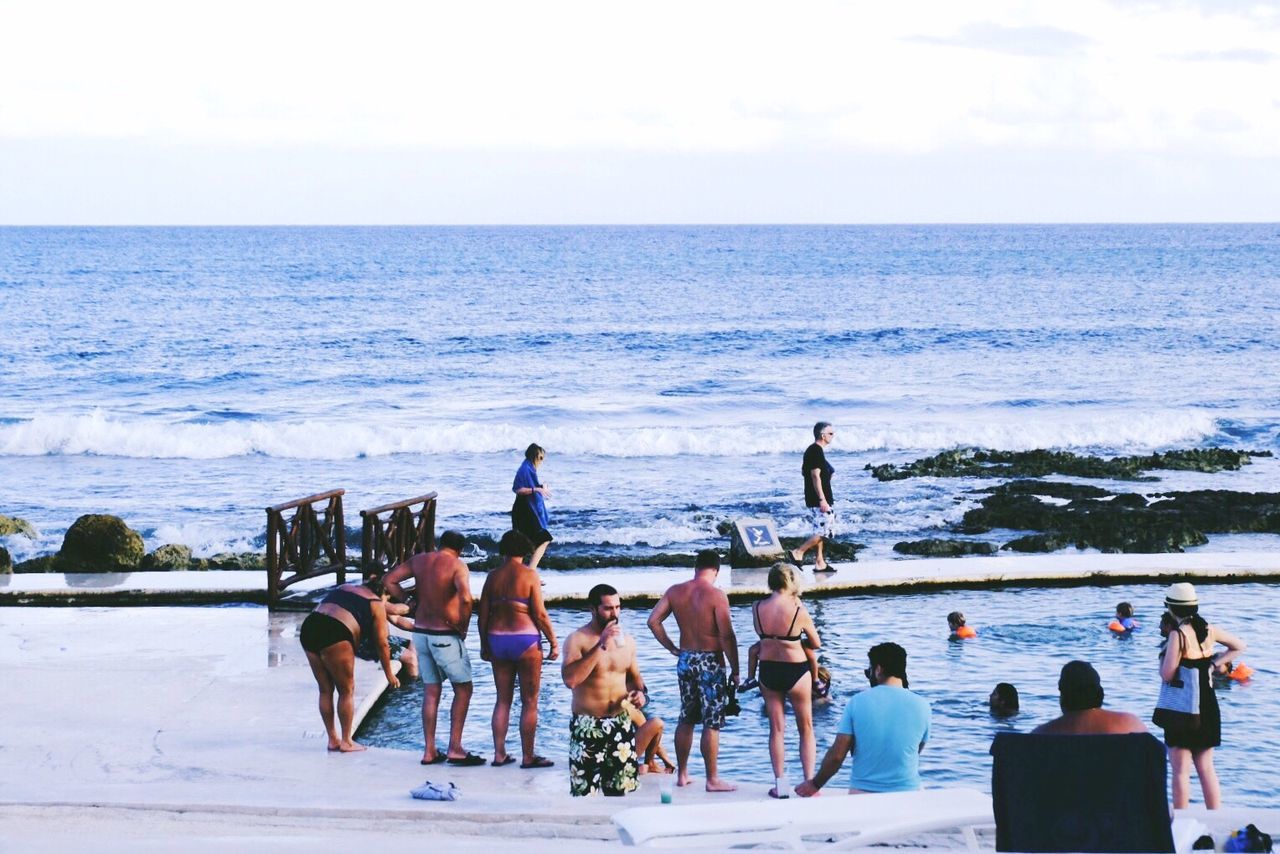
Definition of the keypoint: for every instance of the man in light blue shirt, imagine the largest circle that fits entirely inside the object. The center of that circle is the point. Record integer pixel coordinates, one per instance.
(884, 728)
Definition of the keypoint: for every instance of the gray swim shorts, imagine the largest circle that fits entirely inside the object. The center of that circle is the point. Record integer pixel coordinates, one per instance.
(441, 657)
(824, 524)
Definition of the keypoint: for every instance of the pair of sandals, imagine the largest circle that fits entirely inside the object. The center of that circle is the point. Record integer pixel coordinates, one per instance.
(798, 563)
(538, 762)
(467, 761)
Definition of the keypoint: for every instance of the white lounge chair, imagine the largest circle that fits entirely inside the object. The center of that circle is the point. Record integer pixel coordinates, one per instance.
(860, 819)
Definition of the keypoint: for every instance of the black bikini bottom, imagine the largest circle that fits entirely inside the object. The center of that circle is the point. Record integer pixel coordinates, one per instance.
(781, 676)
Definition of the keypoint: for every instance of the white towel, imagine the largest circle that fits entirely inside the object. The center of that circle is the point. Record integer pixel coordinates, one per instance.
(430, 791)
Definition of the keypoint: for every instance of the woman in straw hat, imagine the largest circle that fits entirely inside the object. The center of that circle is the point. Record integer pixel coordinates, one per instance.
(1191, 644)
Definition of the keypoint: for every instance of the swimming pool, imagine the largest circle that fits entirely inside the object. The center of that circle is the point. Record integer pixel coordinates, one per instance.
(1025, 635)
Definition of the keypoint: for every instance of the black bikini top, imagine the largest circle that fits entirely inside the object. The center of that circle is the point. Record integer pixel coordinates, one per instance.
(755, 610)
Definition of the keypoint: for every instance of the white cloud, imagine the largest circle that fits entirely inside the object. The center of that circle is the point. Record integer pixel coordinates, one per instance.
(637, 82)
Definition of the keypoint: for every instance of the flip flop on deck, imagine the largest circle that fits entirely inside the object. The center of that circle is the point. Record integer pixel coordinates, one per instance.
(538, 762)
(506, 760)
(465, 761)
(440, 757)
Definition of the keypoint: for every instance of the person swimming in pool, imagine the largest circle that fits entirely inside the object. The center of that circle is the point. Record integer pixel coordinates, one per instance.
(787, 637)
(512, 621)
(1123, 621)
(959, 630)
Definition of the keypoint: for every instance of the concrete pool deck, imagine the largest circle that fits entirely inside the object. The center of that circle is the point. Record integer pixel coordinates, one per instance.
(648, 583)
(140, 729)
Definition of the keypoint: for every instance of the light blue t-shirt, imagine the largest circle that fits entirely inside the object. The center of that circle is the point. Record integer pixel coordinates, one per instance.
(888, 725)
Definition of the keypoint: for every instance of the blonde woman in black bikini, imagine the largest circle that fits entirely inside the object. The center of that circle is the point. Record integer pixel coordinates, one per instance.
(785, 629)
(513, 621)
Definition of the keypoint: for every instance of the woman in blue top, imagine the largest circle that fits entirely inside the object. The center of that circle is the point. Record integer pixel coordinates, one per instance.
(529, 512)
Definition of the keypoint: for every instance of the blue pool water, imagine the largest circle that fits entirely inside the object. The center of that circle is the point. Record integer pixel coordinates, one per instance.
(186, 378)
(1025, 636)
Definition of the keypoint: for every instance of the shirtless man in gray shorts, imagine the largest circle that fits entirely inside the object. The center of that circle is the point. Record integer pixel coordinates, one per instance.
(706, 639)
(442, 585)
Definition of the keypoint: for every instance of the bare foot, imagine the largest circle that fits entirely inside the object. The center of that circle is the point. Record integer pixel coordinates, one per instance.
(683, 779)
(642, 769)
(334, 744)
(715, 784)
(351, 747)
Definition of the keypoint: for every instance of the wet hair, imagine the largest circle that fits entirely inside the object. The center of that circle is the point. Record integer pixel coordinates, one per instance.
(1007, 697)
(1124, 609)
(707, 559)
(1168, 623)
(534, 451)
(1192, 613)
(822, 687)
(955, 619)
(373, 581)
(599, 592)
(514, 544)
(890, 658)
(453, 540)
(1079, 687)
(782, 576)
(818, 428)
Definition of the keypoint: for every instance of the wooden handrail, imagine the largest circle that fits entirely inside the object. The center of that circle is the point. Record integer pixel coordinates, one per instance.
(403, 534)
(305, 543)
(310, 499)
(397, 505)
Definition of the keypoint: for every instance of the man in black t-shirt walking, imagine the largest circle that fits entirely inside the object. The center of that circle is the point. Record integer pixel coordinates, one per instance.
(817, 497)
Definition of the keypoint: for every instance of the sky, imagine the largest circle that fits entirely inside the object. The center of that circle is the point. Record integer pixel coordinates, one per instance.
(623, 112)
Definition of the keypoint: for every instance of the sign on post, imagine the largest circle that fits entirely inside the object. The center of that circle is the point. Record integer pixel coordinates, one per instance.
(755, 542)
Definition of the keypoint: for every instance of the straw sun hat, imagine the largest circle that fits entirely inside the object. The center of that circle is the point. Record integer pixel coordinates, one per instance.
(1182, 593)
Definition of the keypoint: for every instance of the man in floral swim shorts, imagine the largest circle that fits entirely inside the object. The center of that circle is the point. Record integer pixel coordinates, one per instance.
(600, 668)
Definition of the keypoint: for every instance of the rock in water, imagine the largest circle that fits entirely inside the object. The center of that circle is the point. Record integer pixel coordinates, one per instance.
(6, 562)
(943, 548)
(170, 556)
(100, 543)
(10, 525)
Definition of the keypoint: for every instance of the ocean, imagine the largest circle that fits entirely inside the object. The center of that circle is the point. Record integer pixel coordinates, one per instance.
(187, 378)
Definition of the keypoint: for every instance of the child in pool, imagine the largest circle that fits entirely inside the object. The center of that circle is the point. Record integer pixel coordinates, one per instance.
(959, 631)
(649, 742)
(1124, 621)
(816, 672)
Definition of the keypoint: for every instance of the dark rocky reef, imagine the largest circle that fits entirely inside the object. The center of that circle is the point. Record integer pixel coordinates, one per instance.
(1127, 522)
(170, 556)
(233, 560)
(44, 563)
(6, 561)
(100, 543)
(10, 525)
(943, 548)
(977, 462)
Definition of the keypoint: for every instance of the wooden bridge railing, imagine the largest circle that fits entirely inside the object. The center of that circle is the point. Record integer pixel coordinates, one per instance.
(308, 544)
(403, 533)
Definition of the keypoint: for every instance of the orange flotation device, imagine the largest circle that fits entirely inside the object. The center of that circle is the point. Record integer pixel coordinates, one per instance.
(966, 632)
(1117, 627)
(1240, 672)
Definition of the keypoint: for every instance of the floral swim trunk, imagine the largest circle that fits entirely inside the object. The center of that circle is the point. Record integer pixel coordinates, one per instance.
(704, 688)
(602, 755)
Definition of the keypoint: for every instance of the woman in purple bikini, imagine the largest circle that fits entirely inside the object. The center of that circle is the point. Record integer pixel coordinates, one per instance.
(512, 622)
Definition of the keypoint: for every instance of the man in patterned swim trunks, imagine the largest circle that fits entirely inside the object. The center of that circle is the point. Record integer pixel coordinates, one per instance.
(706, 638)
(600, 668)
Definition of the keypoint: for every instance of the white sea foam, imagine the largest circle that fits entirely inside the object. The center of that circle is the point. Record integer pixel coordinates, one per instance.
(100, 434)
